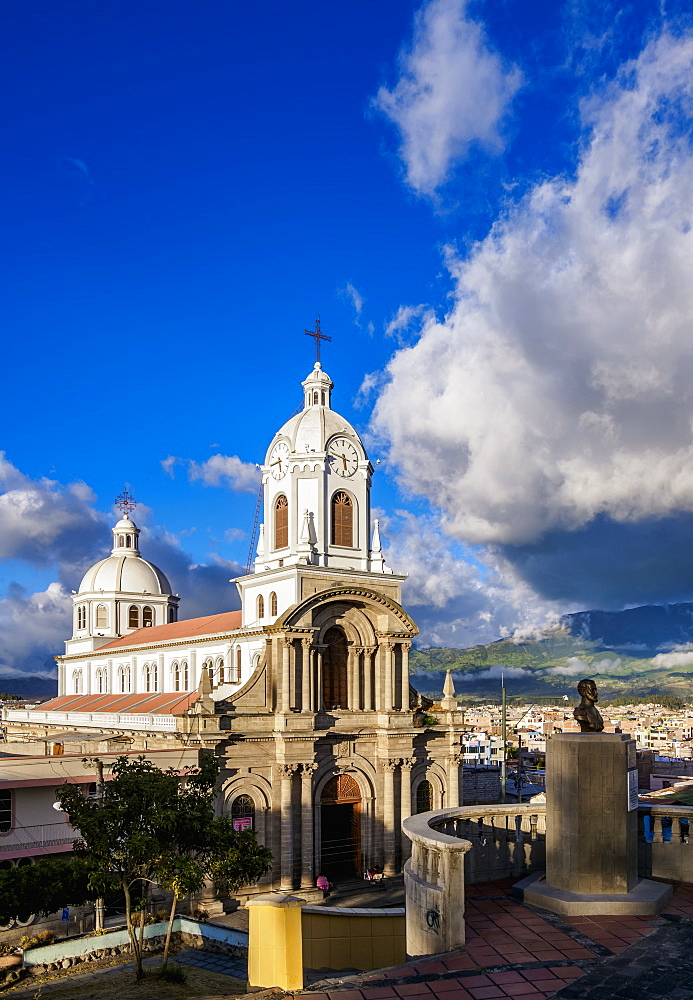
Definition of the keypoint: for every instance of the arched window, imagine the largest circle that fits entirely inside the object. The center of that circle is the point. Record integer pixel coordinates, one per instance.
(315, 397)
(281, 522)
(424, 797)
(6, 810)
(175, 672)
(185, 674)
(342, 519)
(77, 681)
(243, 813)
(147, 617)
(171, 613)
(260, 606)
(101, 681)
(102, 616)
(81, 616)
(220, 669)
(238, 664)
(334, 674)
(273, 604)
(323, 398)
(124, 678)
(149, 677)
(133, 617)
(128, 543)
(208, 665)
(121, 541)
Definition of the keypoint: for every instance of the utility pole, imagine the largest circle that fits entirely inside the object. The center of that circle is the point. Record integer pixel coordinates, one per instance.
(97, 764)
(504, 737)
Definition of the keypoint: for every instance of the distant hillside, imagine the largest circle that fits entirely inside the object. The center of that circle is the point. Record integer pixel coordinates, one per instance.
(29, 687)
(616, 647)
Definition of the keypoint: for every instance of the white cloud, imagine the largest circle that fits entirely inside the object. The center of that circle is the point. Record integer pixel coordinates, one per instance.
(496, 672)
(407, 319)
(453, 91)
(681, 657)
(559, 388)
(169, 464)
(33, 628)
(454, 600)
(226, 470)
(575, 666)
(350, 292)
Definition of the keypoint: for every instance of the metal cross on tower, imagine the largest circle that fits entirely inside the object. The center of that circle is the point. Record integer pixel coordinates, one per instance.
(317, 335)
(126, 503)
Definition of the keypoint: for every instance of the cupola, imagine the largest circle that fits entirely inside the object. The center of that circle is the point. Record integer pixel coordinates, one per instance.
(317, 388)
(125, 538)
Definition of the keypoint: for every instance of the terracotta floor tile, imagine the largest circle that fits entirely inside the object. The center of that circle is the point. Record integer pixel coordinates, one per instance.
(547, 955)
(476, 981)
(487, 993)
(517, 957)
(523, 989)
(407, 989)
(457, 995)
(346, 994)
(458, 962)
(443, 986)
(501, 978)
(378, 992)
(566, 972)
(424, 968)
(540, 976)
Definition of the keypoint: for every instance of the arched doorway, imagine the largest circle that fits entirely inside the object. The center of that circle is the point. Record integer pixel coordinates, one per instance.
(334, 671)
(340, 828)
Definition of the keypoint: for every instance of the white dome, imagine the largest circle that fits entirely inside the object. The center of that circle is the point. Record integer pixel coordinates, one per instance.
(311, 429)
(130, 574)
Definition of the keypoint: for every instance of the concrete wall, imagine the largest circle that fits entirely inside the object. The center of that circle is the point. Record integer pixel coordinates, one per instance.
(352, 938)
(209, 937)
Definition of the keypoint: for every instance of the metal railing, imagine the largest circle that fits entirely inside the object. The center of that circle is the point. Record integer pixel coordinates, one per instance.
(29, 838)
(124, 720)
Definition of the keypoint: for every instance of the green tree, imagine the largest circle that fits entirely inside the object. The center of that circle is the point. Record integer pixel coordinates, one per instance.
(152, 826)
(44, 887)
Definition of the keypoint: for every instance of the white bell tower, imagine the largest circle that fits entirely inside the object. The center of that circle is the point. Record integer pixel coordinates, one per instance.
(317, 528)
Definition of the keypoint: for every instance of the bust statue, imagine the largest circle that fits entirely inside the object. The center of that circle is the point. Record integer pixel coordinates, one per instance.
(586, 712)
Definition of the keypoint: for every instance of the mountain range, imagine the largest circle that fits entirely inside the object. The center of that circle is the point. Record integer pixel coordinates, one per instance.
(638, 652)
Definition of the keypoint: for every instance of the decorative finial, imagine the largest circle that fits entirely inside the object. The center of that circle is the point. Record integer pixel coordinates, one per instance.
(317, 335)
(126, 503)
(449, 702)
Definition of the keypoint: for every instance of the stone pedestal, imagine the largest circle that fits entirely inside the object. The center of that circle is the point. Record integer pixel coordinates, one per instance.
(591, 835)
(591, 830)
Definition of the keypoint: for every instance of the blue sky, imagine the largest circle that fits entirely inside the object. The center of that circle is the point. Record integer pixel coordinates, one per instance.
(488, 205)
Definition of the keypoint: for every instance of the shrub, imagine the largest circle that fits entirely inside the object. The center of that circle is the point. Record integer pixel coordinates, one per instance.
(173, 974)
(37, 940)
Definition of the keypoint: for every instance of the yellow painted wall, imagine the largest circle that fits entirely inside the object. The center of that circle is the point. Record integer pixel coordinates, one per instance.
(274, 946)
(352, 941)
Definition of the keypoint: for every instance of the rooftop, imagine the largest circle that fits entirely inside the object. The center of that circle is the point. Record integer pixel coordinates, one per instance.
(191, 628)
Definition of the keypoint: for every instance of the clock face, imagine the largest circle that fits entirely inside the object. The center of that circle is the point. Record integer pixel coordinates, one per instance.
(279, 460)
(344, 458)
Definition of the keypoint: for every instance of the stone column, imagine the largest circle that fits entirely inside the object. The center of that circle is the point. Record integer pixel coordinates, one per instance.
(354, 679)
(389, 866)
(389, 654)
(307, 873)
(285, 701)
(453, 773)
(368, 678)
(405, 647)
(405, 803)
(305, 675)
(318, 705)
(286, 773)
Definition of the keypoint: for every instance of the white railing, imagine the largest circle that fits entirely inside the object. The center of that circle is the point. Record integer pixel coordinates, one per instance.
(26, 838)
(124, 720)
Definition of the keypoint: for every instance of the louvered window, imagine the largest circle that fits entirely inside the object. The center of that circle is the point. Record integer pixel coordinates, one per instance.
(281, 522)
(102, 616)
(342, 519)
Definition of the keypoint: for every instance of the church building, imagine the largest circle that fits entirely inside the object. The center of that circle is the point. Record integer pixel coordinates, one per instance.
(303, 694)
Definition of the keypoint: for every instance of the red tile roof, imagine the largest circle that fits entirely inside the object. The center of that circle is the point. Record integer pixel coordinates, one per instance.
(192, 628)
(170, 703)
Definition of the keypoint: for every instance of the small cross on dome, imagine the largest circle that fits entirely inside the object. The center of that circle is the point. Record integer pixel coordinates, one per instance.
(126, 503)
(317, 336)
